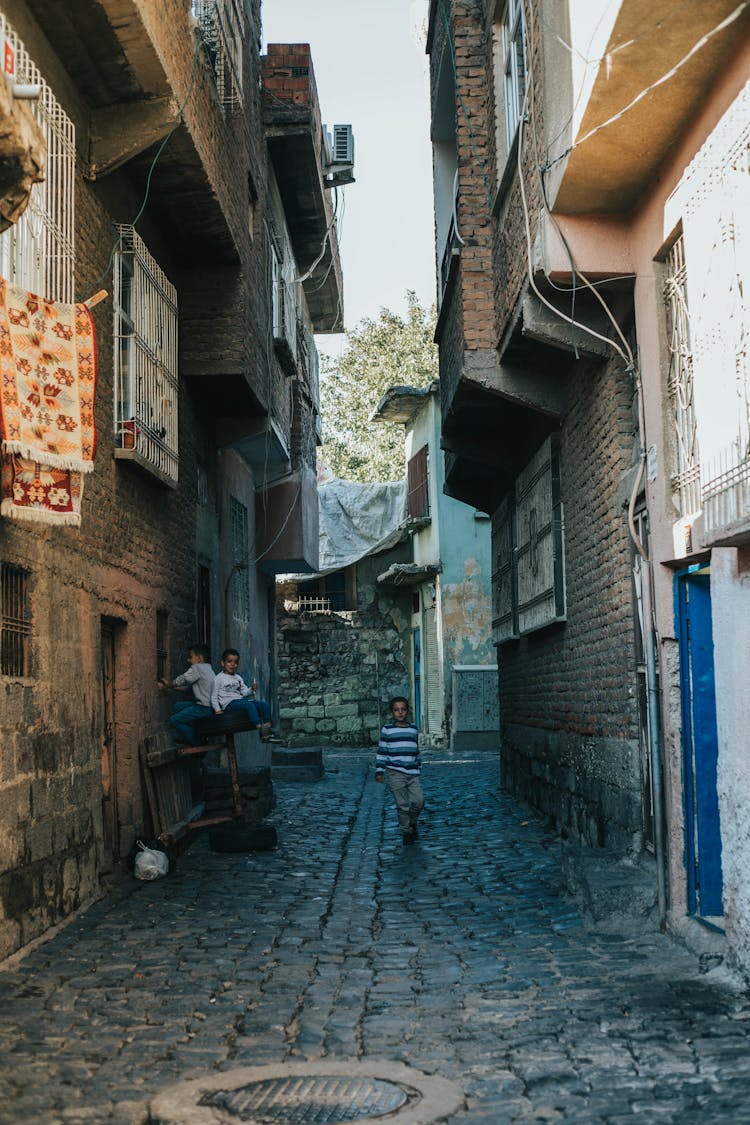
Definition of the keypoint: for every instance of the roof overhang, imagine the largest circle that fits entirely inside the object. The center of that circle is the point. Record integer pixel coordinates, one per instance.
(656, 64)
(408, 574)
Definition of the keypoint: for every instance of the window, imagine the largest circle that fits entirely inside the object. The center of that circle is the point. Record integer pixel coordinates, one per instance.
(514, 66)
(686, 478)
(284, 303)
(417, 479)
(528, 581)
(146, 387)
(15, 621)
(334, 593)
(222, 26)
(162, 625)
(240, 552)
(203, 608)
(37, 253)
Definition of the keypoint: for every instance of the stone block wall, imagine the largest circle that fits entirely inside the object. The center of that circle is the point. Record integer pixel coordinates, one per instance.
(337, 671)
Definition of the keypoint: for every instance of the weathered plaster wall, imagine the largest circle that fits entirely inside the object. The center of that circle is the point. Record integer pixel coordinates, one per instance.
(337, 671)
(730, 597)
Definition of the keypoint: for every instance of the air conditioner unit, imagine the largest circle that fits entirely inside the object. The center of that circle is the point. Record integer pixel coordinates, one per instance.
(343, 144)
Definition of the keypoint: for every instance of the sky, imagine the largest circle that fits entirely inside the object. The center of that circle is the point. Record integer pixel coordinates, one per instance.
(372, 73)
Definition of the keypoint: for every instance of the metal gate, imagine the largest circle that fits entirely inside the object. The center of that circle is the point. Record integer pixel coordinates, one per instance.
(700, 746)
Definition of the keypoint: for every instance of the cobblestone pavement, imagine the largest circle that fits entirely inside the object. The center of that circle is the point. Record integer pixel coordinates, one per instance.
(457, 956)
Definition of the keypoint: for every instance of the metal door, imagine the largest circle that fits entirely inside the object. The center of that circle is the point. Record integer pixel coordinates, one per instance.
(109, 748)
(432, 674)
(700, 745)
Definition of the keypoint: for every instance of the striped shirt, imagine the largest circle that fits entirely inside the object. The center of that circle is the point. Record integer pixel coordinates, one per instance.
(398, 749)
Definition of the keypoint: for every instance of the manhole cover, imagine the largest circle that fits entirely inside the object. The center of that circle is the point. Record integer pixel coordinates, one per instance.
(320, 1092)
(309, 1101)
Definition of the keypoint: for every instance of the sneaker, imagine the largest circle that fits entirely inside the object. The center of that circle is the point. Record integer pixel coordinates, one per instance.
(413, 833)
(407, 838)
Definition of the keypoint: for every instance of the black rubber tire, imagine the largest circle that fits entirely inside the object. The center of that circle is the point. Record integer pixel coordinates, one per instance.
(243, 838)
(233, 722)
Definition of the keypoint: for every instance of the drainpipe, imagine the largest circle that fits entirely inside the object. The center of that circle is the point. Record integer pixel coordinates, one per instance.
(643, 570)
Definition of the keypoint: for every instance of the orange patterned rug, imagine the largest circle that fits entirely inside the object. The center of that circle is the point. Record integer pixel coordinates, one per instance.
(47, 388)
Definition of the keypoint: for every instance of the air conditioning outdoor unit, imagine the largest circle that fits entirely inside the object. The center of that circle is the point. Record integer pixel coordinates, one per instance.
(343, 144)
(339, 152)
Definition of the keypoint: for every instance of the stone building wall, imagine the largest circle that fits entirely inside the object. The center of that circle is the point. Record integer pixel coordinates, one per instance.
(135, 556)
(337, 671)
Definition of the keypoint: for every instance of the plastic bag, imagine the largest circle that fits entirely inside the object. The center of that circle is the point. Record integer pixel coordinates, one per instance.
(150, 864)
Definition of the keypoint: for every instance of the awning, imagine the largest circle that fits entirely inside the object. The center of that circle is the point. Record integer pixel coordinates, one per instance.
(408, 574)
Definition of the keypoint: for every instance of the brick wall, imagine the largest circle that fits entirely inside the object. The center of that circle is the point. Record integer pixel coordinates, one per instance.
(567, 700)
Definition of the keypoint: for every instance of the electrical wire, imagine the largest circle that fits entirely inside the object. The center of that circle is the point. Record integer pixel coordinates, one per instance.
(528, 109)
(178, 118)
(701, 43)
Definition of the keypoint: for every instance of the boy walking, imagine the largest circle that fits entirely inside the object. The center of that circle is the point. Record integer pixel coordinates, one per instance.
(200, 677)
(231, 693)
(398, 763)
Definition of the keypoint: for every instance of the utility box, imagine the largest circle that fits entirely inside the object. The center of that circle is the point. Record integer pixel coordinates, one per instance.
(475, 717)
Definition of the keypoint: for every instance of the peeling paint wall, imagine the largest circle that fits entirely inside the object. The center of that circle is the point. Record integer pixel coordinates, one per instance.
(730, 598)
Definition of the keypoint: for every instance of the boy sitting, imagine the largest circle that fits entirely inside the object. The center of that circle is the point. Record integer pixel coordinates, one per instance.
(200, 677)
(231, 693)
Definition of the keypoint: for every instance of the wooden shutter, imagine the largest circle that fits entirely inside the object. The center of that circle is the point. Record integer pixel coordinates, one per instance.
(540, 573)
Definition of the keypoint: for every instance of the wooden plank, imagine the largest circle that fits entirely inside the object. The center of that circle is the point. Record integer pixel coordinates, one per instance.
(153, 804)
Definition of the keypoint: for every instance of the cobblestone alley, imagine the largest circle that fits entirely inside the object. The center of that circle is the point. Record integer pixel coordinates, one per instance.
(457, 956)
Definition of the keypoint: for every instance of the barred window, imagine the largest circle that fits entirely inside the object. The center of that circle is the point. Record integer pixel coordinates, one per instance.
(223, 29)
(240, 591)
(15, 621)
(146, 381)
(686, 477)
(38, 252)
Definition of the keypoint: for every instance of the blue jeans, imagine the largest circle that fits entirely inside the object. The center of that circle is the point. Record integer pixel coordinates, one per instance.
(182, 718)
(258, 711)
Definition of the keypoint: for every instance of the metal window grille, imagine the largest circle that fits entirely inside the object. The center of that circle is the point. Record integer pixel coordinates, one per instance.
(38, 252)
(284, 284)
(686, 478)
(162, 626)
(223, 28)
(711, 199)
(514, 65)
(417, 477)
(328, 594)
(202, 483)
(146, 381)
(15, 621)
(239, 588)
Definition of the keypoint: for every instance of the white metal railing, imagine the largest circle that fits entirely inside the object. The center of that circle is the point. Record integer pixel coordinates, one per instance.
(686, 477)
(714, 193)
(222, 24)
(314, 604)
(38, 252)
(146, 380)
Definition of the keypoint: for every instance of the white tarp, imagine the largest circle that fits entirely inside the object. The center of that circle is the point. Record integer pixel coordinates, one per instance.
(357, 520)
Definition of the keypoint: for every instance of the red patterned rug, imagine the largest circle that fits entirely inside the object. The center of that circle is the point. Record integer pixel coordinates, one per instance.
(47, 389)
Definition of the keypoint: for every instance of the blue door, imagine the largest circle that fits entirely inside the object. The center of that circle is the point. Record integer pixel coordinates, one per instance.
(700, 745)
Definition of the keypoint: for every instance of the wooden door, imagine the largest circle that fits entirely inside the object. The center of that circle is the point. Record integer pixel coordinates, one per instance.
(109, 749)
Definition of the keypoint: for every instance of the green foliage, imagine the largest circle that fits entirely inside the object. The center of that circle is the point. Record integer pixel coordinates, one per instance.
(390, 351)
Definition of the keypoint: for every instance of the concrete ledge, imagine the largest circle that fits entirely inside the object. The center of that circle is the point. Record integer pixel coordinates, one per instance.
(304, 764)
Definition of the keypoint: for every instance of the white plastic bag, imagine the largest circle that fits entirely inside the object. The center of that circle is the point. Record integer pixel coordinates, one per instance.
(150, 864)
